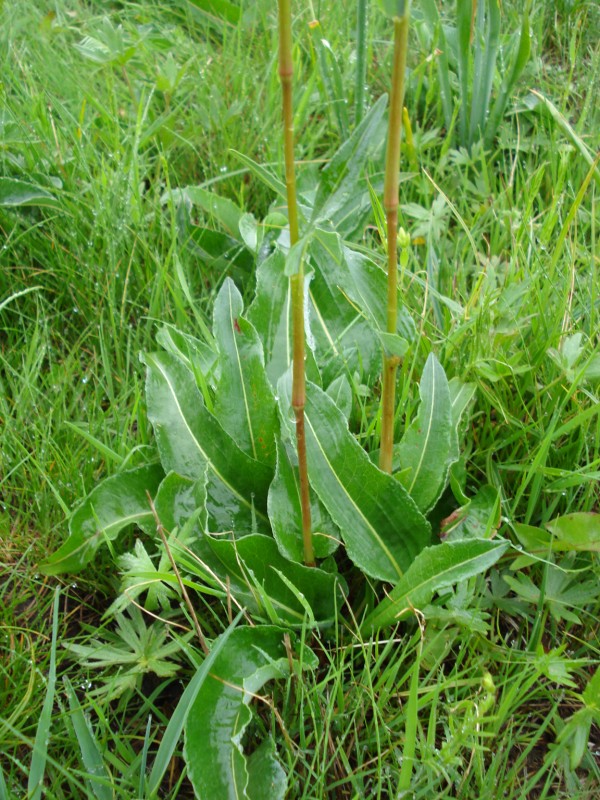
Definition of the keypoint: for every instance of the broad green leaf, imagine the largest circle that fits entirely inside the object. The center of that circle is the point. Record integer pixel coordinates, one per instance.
(577, 531)
(14, 192)
(178, 499)
(116, 503)
(286, 517)
(435, 568)
(341, 393)
(426, 449)
(220, 713)
(270, 313)
(223, 9)
(266, 776)
(342, 194)
(219, 251)
(178, 718)
(340, 331)
(201, 359)
(99, 780)
(224, 211)
(244, 403)
(190, 439)
(254, 572)
(368, 289)
(478, 519)
(381, 526)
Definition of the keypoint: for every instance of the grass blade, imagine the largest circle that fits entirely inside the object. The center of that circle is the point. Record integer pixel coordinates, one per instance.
(42, 735)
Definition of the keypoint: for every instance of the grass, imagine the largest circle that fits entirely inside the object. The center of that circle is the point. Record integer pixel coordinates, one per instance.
(82, 288)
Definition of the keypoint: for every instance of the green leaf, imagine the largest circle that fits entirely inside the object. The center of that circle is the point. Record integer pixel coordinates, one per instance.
(380, 524)
(435, 568)
(218, 250)
(219, 8)
(270, 313)
(190, 439)
(394, 8)
(341, 393)
(342, 193)
(426, 449)
(178, 718)
(14, 192)
(99, 780)
(224, 211)
(178, 499)
(250, 569)
(478, 519)
(339, 329)
(220, 713)
(244, 404)
(577, 531)
(116, 503)
(285, 513)
(39, 755)
(266, 776)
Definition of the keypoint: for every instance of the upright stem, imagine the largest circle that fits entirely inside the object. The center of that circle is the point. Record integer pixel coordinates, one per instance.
(390, 204)
(286, 71)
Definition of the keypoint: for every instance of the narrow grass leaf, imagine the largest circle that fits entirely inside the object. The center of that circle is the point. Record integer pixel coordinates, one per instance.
(97, 776)
(115, 504)
(42, 734)
(435, 568)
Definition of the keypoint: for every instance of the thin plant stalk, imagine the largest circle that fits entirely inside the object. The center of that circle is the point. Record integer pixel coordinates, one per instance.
(390, 204)
(286, 70)
(361, 59)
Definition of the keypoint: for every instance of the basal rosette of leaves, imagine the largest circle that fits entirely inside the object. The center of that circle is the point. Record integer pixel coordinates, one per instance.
(224, 486)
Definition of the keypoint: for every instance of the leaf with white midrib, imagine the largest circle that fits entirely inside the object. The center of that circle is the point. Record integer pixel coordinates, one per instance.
(435, 568)
(244, 403)
(429, 445)
(380, 524)
(189, 437)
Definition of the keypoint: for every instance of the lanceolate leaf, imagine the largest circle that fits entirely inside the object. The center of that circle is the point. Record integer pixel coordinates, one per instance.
(339, 329)
(380, 524)
(286, 517)
(14, 192)
(244, 404)
(190, 439)
(435, 568)
(220, 713)
(116, 503)
(270, 314)
(426, 450)
(342, 184)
